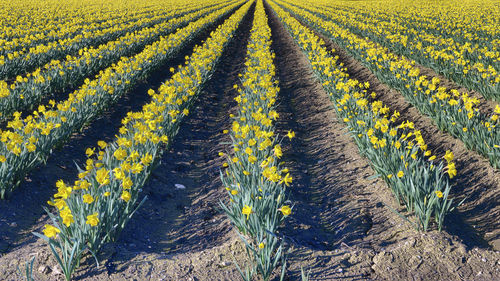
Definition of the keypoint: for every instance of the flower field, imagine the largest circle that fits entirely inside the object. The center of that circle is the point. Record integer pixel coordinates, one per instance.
(250, 140)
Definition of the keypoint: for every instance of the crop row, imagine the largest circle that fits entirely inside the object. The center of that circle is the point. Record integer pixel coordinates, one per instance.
(26, 92)
(22, 62)
(254, 177)
(398, 153)
(454, 112)
(71, 25)
(30, 141)
(447, 19)
(42, 21)
(95, 209)
(465, 63)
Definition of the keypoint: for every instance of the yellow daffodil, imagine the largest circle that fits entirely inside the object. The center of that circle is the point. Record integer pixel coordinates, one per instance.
(92, 219)
(50, 231)
(247, 210)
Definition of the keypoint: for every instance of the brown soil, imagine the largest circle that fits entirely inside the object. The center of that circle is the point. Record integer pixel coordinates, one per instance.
(340, 227)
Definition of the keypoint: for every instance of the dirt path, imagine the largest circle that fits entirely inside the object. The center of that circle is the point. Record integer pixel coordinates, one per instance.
(23, 213)
(340, 228)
